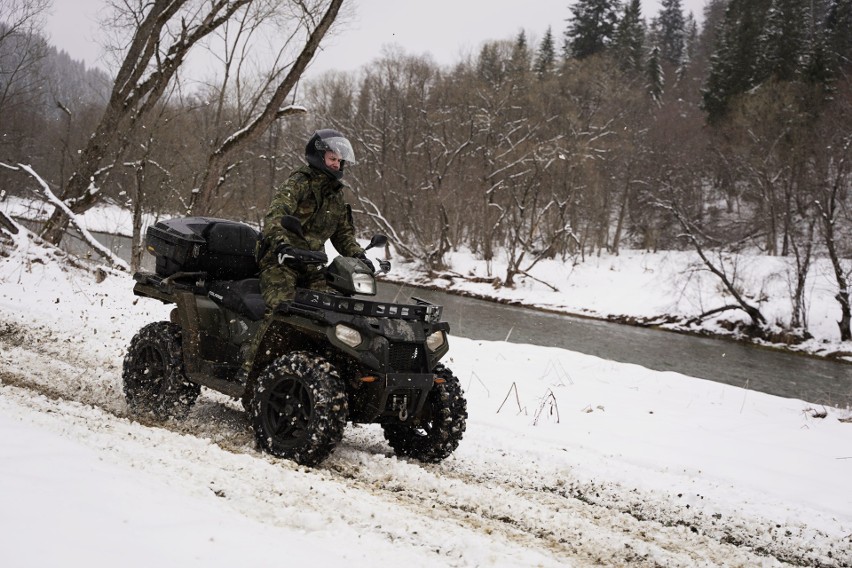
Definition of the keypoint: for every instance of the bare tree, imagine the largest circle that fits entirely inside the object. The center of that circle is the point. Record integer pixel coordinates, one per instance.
(22, 48)
(830, 206)
(220, 159)
(697, 238)
(803, 249)
(163, 32)
(397, 132)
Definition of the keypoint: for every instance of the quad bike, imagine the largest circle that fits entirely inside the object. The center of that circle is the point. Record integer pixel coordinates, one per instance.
(320, 361)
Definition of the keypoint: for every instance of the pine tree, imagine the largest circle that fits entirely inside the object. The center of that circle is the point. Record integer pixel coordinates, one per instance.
(818, 65)
(691, 37)
(838, 35)
(781, 45)
(672, 31)
(546, 55)
(733, 62)
(592, 27)
(656, 78)
(689, 45)
(490, 67)
(520, 54)
(714, 16)
(629, 41)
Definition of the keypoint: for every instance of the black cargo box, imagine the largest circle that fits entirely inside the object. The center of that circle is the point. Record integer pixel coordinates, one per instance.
(223, 249)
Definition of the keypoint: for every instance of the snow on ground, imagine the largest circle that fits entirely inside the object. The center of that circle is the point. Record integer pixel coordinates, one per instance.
(568, 460)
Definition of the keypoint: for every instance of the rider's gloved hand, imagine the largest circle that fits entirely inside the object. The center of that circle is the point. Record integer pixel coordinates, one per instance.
(285, 253)
(363, 258)
(289, 253)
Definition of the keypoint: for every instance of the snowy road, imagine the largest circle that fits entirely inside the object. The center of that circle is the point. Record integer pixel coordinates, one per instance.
(495, 503)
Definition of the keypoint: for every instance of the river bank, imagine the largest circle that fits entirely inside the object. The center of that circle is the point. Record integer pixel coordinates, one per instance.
(669, 324)
(663, 291)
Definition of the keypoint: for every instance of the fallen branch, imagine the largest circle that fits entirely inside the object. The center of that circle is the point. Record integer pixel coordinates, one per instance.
(8, 224)
(718, 310)
(23, 234)
(104, 252)
(552, 287)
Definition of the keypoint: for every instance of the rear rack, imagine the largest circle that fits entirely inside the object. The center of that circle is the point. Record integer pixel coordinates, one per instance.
(164, 288)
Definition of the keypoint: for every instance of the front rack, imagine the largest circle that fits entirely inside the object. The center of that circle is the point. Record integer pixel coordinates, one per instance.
(422, 311)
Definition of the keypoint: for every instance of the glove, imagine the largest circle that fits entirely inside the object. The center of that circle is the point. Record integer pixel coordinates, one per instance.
(289, 253)
(363, 258)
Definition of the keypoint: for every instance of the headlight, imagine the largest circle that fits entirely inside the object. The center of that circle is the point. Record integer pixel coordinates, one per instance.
(347, 335)
(364, 283)
(435, 341)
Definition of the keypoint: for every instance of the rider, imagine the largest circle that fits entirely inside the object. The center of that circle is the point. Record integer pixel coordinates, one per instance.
(314, 194)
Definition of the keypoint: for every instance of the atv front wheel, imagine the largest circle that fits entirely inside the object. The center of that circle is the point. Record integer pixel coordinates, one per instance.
(153, 375)
(299, 408)
(437, 433)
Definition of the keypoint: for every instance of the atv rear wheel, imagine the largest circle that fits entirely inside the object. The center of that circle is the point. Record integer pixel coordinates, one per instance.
(154, 378)
(299, 408)
(437, 433)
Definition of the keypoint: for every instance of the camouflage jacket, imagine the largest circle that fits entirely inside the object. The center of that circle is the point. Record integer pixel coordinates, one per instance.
(317, 200)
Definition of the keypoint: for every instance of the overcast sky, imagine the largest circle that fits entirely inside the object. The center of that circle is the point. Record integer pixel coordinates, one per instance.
(446, 29)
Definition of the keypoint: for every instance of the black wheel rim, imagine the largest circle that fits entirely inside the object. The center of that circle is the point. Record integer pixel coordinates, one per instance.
(427, 425)
(289, 410)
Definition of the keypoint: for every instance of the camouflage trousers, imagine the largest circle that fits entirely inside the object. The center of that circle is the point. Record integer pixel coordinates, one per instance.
(278, 284)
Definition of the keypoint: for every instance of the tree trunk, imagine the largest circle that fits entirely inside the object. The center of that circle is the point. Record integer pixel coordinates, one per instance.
(758, 321)
(842, 297)
(622, 213)
(136, 246)
(803, 264)
(829, 213)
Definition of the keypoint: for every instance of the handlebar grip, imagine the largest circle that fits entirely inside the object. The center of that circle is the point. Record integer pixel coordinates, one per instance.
(291, 254)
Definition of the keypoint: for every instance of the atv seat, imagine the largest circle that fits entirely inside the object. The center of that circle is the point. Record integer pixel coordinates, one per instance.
(241, 296)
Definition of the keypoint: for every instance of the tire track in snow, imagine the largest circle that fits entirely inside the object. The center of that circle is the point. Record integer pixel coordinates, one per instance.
(658, 519)
(270, 490)
(549, 516)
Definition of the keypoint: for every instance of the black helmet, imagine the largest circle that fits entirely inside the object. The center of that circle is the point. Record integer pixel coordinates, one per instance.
(329, 140)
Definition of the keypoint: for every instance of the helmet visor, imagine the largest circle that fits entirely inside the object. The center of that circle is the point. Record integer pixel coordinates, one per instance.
(341, 147)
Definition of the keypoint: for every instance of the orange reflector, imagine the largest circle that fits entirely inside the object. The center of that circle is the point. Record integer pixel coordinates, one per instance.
(369, 379)
(440, 381)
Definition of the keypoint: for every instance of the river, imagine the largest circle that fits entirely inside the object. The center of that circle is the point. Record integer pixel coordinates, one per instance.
(775, 372)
